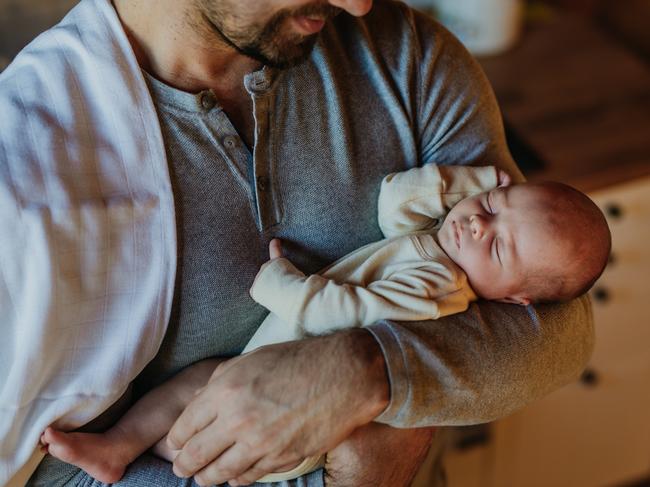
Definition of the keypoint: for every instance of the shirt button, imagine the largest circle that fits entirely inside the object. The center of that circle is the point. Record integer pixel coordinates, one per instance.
(257, 84)
(262, 183)
(230, 142)
(207, 100)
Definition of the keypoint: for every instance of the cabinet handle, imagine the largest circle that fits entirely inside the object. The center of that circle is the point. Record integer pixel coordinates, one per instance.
(612, 258)
(472, 436)
(613, 211)
(589, 377)
(601, 294)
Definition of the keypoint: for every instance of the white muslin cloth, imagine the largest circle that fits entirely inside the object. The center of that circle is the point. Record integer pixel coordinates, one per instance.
(87, 231)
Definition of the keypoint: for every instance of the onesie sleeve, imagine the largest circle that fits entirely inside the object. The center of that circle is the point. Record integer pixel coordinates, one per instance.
(494, 358)
(417, 199)
(315, 304)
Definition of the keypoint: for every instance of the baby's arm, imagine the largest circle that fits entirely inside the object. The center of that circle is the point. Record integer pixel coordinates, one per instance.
(315, 304)
(416, 199)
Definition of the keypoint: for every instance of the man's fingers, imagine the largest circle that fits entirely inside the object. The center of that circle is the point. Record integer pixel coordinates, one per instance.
(503, 178)
(232, 463)
(201, 450)
(377, 454)
(249, 477)
(197, 416)
(262, 468)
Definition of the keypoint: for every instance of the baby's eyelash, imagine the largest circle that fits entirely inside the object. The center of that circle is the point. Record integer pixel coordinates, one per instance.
(488, 207)
(494, 248)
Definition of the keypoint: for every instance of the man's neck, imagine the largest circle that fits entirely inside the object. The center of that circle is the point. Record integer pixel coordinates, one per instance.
(180, 48)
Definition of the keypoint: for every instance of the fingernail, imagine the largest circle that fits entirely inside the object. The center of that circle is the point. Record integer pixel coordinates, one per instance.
(178, 472)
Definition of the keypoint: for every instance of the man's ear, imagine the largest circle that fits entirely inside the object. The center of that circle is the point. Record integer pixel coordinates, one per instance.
(515, 300)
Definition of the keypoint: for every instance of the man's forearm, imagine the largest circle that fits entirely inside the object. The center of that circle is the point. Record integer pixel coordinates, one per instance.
(362, 362)
(482, 364)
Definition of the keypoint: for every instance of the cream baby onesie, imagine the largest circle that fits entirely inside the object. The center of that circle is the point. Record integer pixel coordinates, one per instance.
(405, 277)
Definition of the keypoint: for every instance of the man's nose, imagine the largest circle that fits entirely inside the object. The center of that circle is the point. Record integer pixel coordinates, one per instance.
(477, 226)
(358, 8)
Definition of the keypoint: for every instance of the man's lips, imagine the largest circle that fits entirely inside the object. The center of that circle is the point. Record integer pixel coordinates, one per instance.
(308, 25)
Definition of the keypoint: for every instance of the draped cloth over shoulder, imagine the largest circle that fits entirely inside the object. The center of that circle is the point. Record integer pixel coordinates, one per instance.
(86, 219)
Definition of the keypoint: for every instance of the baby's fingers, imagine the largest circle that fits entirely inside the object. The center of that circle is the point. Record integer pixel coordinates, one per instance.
(275, 248)
(503, 178)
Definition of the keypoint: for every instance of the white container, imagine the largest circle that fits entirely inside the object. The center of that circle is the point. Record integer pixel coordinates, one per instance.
(485, 26)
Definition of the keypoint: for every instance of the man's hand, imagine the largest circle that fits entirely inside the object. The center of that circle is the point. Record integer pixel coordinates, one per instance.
(273, 407)
(376, 455)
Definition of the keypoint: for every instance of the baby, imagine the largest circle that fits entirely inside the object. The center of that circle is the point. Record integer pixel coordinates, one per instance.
(454, 234)
(520, 244)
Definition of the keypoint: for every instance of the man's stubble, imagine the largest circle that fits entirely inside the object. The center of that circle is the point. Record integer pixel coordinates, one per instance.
(270, 41)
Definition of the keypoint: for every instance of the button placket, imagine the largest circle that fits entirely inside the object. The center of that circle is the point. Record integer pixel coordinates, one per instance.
(233, 152)
(258, 85)
(230, 142)
(207, 100)
(262, 183)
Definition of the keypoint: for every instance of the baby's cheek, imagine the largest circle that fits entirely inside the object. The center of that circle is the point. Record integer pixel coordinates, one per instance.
(481, 275)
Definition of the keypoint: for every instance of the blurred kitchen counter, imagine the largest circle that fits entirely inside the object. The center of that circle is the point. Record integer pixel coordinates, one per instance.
(579, 99)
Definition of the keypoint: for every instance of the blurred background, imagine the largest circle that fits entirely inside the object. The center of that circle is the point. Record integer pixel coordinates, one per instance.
(573, 81)
(22, 20)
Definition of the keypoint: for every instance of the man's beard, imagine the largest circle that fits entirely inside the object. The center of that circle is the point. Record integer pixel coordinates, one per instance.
(269, 44)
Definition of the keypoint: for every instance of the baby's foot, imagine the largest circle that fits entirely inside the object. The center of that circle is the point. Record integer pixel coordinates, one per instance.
(93, 453)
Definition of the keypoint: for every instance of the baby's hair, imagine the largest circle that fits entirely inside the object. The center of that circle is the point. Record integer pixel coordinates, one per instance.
(582, 226)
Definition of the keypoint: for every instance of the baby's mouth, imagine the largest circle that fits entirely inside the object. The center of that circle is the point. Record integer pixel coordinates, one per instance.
(456, 234)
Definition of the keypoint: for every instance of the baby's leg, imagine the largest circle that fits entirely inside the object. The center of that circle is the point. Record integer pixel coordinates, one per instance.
(106, 455)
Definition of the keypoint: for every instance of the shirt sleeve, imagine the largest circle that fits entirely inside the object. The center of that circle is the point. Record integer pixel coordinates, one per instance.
(315, 304)
(494, 358)
(416, 199)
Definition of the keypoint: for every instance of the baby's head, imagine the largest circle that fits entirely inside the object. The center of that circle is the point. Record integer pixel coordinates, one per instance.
(528, 243)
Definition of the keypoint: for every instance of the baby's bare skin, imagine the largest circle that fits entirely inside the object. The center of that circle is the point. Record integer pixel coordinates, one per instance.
(105, 456)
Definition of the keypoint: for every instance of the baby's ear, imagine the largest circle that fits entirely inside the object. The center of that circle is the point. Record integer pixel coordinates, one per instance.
(515, 300)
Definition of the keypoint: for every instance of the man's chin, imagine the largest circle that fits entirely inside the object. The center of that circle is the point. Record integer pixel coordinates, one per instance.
(281, 59)
(287, 63)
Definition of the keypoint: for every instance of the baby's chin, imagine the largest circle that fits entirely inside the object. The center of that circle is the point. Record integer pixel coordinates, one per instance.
(447, 240)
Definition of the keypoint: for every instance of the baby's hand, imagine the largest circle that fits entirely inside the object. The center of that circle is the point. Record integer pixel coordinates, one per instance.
(275, 248)
(503, 178)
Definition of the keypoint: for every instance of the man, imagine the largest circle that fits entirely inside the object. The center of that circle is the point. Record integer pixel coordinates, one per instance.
(150, 152)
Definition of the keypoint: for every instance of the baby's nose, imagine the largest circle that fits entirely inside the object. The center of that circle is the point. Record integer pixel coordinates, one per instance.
(477, 226)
